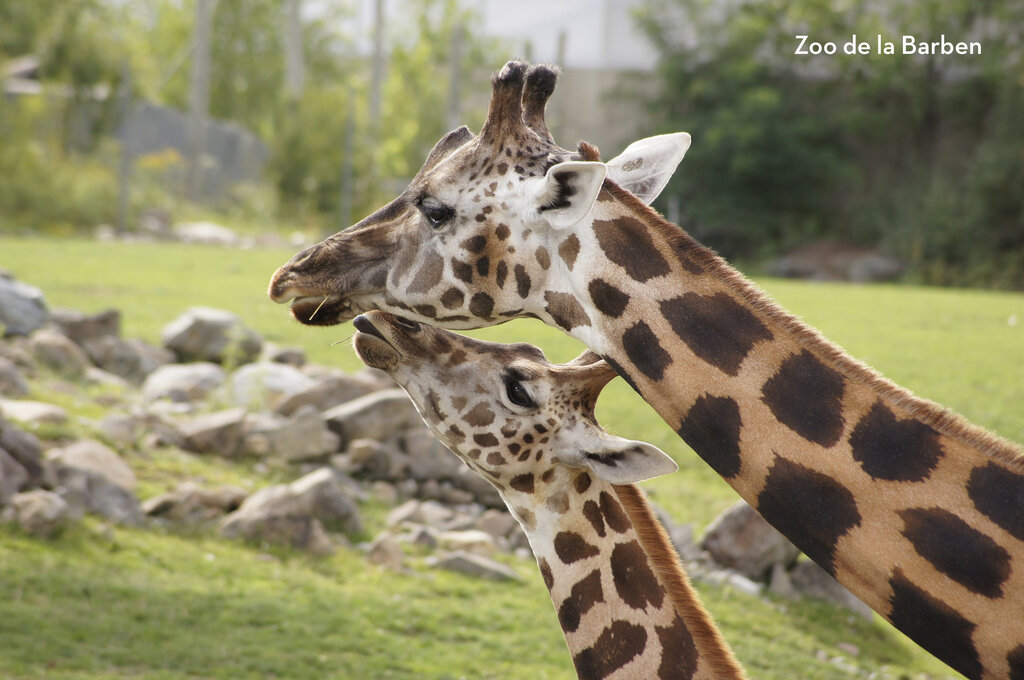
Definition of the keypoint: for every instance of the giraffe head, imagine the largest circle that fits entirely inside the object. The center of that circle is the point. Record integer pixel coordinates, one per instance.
(482, 232)
(522, 423)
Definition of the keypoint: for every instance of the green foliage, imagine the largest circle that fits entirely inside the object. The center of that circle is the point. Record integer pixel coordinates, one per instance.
(922, 155)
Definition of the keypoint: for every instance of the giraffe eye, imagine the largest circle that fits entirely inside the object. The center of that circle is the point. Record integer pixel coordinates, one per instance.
(437, 213)
(517, 394)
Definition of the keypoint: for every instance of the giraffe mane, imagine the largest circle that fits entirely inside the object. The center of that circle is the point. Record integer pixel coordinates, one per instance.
(943, 420)
(665, 561)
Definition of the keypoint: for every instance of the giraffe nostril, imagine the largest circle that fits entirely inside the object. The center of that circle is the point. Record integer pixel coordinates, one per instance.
(408, 324)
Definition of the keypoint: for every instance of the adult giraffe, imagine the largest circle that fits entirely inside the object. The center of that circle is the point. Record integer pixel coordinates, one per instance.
(917, 512)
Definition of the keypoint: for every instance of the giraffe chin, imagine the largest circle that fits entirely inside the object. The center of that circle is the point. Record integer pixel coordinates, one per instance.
(372, 348)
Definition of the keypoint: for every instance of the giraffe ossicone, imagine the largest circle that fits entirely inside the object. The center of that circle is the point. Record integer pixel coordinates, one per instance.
(867, 479)
(625, 606)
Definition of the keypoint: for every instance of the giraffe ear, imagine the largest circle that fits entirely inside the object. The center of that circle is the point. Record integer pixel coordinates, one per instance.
(646, 166)
(622, 461)
(567, 192)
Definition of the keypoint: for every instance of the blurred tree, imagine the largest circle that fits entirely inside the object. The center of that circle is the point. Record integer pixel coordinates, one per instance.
(922, 154)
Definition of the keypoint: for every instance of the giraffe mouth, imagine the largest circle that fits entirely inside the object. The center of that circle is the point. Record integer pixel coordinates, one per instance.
(327, 310)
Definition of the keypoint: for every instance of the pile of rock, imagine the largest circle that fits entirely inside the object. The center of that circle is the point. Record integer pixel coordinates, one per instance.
(215, 388)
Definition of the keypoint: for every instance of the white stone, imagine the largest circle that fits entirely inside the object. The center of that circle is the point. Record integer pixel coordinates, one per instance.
(183, 382)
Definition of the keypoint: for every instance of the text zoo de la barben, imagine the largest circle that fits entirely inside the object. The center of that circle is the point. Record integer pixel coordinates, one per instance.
(907, 44)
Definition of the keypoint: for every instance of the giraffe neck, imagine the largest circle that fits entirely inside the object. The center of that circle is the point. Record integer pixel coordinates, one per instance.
(626, 608)
(868, 480)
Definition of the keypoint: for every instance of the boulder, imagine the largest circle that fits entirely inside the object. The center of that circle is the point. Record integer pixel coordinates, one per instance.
(742, 540)
(295, 514)
(428, 457)
(96, 457)
(22, 307)
(80, 328)
(191, 504)
(219, 433)
(471, 541)
(205, 334)
(375, 416)
(25, 448)
(130, 358)
(58, 353)
(32, 412)
(205, 233)
(386, 551)
(183, 382)
(40, 513)
(809, 579)
(266, 383)
(13, 477)
(304, 437)
(92, 478)
(12, 382)
(292, 356)
(327, 392)
(475, 565)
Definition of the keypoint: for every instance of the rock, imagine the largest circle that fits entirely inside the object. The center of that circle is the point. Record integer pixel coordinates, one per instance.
(428, 457)
(810, 579)
(385, 492)
(92, 478)
(129, 429)
(191, 504)
(58, 353)
(469, 540)
(205, 334)
(25, 448)
(483, 492)
(295, 514)
(205, 233)
(22, 307)
(444, 492)
(291, 356)
(12, 383)
(183, 382)
(836, 261)
(375, 416)
(220, 433)
(386, 551)
(742, 540)
(32, 412)
(79, 327)
(13, 477)
(96, 457)
(302, 438)
(475, 565)
(429, 513)
(328, 392)
(497, 523)
(371, 459)
(131, 359)
(266, 383)
(40, 513)
(681, 536)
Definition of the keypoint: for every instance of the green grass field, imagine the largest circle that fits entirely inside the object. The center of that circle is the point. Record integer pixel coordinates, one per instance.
(105, 602)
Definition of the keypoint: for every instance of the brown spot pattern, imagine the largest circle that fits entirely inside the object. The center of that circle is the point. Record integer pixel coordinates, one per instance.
(634, 581)
(569, 249)
(618, 644)
(571, 547)
(565, 310)
(625, 242)
(582, 598)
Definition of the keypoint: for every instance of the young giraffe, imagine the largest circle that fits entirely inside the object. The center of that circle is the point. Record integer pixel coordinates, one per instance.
(626, 607)
(917, 512)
